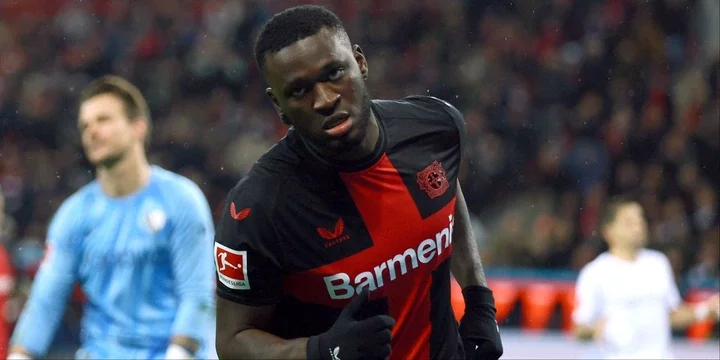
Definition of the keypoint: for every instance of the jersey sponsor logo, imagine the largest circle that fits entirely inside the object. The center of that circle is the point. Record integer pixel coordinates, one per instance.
(241, 215)
(340, 286)
(141, 255)
(334, 236)
(231, 267)
(433, 180)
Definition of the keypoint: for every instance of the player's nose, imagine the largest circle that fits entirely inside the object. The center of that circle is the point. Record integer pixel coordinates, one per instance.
(90, 133)
(326, 99)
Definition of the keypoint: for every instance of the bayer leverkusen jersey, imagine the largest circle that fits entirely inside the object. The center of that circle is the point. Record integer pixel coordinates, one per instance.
(307, 236)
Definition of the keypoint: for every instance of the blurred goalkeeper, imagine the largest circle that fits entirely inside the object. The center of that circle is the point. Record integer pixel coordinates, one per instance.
(137, 240)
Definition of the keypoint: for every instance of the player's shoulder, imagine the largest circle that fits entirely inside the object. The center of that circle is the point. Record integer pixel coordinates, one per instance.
(257, 190)
(263, 183)
(418, 107)
(175, 187)
(66, 217)
(598, 265)
(174, 196)
(80, 198)
(250, 207)
(653, 255)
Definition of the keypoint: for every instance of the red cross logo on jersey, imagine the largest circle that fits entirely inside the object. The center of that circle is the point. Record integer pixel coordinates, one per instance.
(433, 180)
(231, 267)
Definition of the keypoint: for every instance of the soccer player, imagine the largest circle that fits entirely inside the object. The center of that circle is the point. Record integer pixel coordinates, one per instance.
(338, 243)
(627, 299)
(138, 240)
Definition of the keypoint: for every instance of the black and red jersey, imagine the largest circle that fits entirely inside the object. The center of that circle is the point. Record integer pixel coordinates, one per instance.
(307, 235)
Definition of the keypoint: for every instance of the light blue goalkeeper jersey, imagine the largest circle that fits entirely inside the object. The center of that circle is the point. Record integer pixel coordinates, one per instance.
(144, 263)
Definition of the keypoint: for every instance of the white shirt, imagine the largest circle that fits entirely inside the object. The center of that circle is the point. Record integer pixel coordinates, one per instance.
(635, 298)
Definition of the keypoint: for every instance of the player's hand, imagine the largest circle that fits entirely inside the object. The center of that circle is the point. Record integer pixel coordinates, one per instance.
(599, 330)
(479, 330)
(352, 337)
(177, 352)
(713, 304)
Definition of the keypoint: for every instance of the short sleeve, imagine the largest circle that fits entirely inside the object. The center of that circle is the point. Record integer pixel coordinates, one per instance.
(587, 298)
(248, 256)
(458, 120)
(672, 296)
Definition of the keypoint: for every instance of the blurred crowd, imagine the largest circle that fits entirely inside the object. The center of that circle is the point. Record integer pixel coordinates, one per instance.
(566, 103)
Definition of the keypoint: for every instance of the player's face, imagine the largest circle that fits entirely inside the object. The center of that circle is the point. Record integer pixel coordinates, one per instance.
(630, 228)
(107, 133)
(317, 83)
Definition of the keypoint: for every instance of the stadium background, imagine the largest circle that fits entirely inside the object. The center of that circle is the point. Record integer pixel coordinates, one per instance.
(566, 103)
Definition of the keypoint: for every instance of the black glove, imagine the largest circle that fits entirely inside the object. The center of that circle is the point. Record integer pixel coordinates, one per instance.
(479, 331)
(352, 337)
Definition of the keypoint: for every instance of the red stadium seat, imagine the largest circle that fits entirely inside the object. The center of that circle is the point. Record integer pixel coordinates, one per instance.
(505, 293)
(7, 285)
(457, 299)
(700, 331)
(538, 303)
(506, 296)
(567, 305)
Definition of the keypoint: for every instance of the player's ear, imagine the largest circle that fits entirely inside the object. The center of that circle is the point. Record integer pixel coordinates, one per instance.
(606, 233)
(276, 105)
(361, 61)
(140, 127)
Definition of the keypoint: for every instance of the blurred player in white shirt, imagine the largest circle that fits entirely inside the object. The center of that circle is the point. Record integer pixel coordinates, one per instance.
(627, 299)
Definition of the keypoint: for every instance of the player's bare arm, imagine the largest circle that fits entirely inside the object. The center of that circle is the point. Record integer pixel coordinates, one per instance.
(585, 332)
(354, 335)
(688, 314)
(241, 334)
(466, 265)
(478, 328)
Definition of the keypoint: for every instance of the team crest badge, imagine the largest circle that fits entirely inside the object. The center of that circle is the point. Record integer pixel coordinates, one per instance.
(155, 220)
(433, 180)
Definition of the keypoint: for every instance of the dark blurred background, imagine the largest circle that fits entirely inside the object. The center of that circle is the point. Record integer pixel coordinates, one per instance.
(566, 103)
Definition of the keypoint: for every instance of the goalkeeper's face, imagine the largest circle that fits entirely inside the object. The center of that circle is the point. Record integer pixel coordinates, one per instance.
(106, 131)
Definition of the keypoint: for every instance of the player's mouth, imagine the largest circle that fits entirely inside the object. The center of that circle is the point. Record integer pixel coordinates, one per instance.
(338, 124)
(93, 147)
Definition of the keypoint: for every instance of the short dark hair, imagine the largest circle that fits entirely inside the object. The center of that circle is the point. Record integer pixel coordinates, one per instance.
(291, 25)
(612, 207)
(131, 97)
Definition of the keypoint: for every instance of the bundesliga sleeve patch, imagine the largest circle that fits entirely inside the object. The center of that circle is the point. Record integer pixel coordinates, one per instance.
(231, 267)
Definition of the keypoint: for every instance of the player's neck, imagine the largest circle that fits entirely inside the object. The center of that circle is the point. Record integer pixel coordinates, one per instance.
(126, 176)
(627, 254)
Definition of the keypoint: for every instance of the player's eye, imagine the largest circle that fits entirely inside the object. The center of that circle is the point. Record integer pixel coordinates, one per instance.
(299, 93)
(336, 74)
